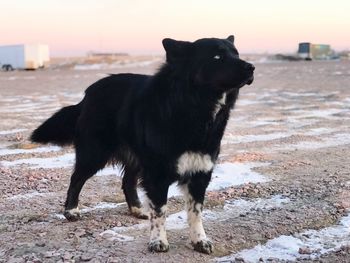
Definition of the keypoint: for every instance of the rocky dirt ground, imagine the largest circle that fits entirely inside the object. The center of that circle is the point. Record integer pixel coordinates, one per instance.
(291, 128)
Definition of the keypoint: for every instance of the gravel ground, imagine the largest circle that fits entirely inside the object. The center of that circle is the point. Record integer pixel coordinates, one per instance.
(294, 121)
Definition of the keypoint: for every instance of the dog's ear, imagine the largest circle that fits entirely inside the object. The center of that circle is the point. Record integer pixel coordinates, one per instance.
(231, 38)
(176, 50)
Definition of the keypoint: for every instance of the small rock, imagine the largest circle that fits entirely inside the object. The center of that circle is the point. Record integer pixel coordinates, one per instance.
(108, 234)
(40, 244)
(49, 254)
(86, 257)
(305, 251)
(68, 256)
(80, 232)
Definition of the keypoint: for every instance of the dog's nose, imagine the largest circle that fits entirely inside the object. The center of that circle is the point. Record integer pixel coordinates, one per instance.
(249, 67)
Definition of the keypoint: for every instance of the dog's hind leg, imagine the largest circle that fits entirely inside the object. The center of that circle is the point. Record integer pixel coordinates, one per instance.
(194, 191)
(129, 186)
(88, 161)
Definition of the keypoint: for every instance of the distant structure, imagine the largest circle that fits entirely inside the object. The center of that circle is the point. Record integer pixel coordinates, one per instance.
(93, 54)
(311, 51)
(24, 57)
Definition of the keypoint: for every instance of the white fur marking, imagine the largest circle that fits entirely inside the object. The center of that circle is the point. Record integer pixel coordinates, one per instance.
(135, 210)
(191, 162)
(158, 226)
(139, 211)
(221, 102)
(74, 211)
(194, 217)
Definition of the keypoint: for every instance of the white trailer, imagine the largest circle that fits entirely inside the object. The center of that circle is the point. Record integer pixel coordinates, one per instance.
(24, 56)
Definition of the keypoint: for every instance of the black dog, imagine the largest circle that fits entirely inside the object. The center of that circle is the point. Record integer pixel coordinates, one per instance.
(162, 128)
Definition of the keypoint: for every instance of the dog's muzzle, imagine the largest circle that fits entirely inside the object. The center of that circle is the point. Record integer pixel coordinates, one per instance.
(250, 69)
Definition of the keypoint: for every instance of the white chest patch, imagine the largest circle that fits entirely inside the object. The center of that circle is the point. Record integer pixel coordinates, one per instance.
(221, 102)
(191, 162)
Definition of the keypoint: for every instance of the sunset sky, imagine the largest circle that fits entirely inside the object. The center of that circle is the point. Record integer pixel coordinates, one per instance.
(73, 27)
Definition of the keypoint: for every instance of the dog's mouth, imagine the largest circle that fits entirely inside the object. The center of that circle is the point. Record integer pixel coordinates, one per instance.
(250, 80)
(247, 81)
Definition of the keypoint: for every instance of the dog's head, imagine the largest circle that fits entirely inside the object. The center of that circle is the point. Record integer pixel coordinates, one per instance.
(213, 62)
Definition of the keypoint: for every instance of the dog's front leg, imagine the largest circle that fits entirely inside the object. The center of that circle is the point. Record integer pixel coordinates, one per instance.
(157, 198)
(194, 191)
(158, 239)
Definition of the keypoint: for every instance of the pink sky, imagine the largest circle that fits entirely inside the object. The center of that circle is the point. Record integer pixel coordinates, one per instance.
(73, 27)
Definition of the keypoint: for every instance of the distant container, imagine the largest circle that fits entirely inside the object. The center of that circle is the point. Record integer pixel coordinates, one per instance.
(24, 56)
(315, 51)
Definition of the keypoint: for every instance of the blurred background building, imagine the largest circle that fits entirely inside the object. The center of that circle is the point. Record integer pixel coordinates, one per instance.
(311, 51)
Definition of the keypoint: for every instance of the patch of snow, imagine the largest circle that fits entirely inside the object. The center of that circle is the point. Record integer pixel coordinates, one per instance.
(231, 174)
(177, 220)
(228, 174)
(12, 131)
(332, 141)
(62, 161)
(59, 216)
(241, 205)
(27, 195)
(318, 242)
(123, 229)
(101, 206)
(224, 175)
(113, 236)
(244, 102)
(297, 94)
(35, 150)
(232, 209)
(337, 73)
(294, 122)
(318, 113)
(262, 122)
(319, 131)
(230, 138)
(24, 107)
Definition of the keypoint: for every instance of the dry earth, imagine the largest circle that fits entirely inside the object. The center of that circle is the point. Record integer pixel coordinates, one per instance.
(293, 124)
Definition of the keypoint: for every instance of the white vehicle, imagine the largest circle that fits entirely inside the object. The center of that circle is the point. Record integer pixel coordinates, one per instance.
(24, 57)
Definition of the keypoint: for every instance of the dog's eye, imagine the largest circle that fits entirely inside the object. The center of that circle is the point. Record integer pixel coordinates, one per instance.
(217, 57)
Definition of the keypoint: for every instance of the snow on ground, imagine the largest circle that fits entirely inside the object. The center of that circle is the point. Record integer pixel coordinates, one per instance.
(12, 131)
(230, 138)
(35, 150)
(331, 141)
(232, 209)
(314, 242)
(224, 175)
(62, 161)
(231, 174)
(27, 196)
(280, 114)
(235, 139)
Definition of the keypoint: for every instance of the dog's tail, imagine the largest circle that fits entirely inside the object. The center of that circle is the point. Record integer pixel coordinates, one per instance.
(60, 128)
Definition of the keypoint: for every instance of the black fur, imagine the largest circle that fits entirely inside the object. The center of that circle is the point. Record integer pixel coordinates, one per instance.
(147, 122)
(60, 128)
